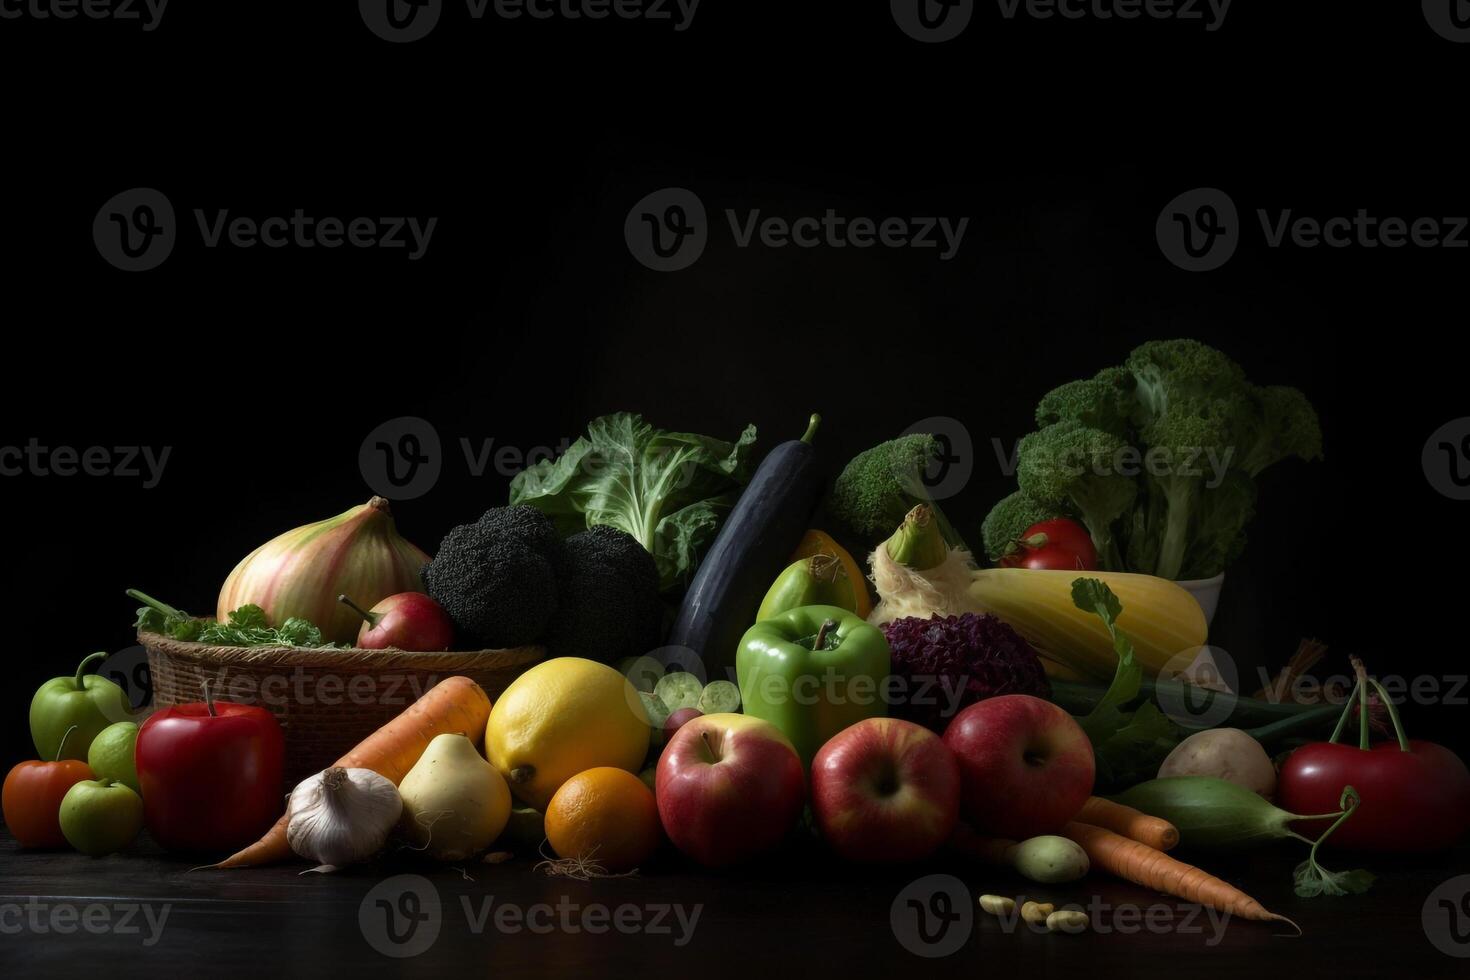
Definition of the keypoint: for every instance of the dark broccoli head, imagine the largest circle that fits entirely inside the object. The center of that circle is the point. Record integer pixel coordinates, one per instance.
(1010, 517)
(608, 605)
(497, 577)
(879, 486)
(1104, 402)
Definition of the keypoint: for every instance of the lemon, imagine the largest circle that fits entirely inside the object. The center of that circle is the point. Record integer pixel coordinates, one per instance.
(560, 718)
(111, 754)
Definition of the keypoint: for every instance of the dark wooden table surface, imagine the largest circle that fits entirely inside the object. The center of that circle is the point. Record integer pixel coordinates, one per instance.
(145, 913)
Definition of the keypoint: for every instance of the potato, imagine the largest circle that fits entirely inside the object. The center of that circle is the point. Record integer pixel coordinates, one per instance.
(1225, 753)
(1049, 859)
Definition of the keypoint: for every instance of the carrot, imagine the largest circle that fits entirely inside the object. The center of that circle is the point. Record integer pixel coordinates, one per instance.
(455, 704)
(1156, 833)
(1147, 866)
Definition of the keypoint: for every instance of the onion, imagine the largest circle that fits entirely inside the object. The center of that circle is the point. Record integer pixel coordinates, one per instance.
(301, 573)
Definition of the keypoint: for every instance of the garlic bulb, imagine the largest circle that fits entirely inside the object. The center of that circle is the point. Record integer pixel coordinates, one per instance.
(341, 816)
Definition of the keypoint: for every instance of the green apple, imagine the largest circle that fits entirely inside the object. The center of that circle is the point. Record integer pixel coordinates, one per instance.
(100, 816)
(111, 754)
(649, 776)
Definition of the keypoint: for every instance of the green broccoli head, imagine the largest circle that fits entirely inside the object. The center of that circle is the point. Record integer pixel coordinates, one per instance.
(1073, 466)
(1105, 401)
(1168, 371)
(1280, 423)
(1218, 535)
(1185, 446)
(879, 486)
(1010, 517)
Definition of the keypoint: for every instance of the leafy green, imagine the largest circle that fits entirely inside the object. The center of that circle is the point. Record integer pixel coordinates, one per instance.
(670, 490)
(248, 626)
(1311, 879)
(1127, 745)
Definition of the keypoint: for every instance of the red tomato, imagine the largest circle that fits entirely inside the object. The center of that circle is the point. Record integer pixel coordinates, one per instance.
(211, 779)
(32, 799)
(1058, 543)
(1417, 800)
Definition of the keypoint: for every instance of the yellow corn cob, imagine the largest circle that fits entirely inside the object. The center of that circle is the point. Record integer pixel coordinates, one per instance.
(1161, 619)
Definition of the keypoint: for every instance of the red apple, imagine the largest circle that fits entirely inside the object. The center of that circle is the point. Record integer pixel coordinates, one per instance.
(729, 787)
(885, 790)
(677, 720)
(406, 621)
(1026, 767)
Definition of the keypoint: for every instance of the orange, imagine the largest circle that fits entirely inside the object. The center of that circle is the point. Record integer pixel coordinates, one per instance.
(604, 815)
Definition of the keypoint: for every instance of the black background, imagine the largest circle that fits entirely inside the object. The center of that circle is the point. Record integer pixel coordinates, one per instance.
(529, 141)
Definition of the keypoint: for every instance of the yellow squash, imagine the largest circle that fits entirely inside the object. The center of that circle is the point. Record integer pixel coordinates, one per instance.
(1161, 619)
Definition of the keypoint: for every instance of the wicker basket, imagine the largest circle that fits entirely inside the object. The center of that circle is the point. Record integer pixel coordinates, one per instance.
(327, 700)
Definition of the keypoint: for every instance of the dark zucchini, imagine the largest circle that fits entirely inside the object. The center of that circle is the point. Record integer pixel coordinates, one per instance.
(755, 544)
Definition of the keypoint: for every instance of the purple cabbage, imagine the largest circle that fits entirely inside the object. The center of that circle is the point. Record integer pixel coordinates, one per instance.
(978, 655)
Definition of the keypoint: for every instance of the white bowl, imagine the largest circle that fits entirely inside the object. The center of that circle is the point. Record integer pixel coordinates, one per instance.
(1206, 592)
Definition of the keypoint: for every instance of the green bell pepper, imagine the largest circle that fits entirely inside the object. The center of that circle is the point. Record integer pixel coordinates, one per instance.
(84, 701)
(813, 671)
